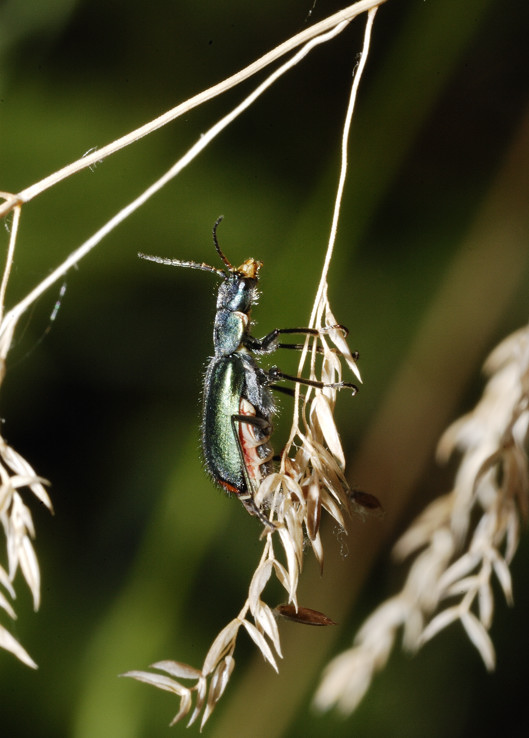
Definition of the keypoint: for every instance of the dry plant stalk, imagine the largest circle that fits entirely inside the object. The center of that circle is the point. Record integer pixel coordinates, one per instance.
(15, 476)
(310, 479)
(334, 24)
(461, 541)
(294, 493)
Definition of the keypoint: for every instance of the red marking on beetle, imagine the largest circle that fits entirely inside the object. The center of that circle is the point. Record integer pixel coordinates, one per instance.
(229, 487)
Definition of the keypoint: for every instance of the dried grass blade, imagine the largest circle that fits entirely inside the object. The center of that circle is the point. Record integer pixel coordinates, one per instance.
(177, 669)
(260, 641)
(223, 643)
(157, 680)
(480, 638)
(9, 643)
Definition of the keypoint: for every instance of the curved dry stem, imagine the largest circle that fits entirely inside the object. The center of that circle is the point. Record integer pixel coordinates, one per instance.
(306, 483)
(8, 325)
(344, 16)
(320, 302)
(10, 253)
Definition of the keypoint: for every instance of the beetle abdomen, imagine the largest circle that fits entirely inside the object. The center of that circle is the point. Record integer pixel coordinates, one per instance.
(223, 385)
(235, 451)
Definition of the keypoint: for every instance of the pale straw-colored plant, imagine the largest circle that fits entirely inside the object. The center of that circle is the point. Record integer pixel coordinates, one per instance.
(309, 480)
(462, 540)
(16, 475)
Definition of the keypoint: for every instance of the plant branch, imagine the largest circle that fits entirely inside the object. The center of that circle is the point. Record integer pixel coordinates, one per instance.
(13, 315)
(343, 16)
(322, 288)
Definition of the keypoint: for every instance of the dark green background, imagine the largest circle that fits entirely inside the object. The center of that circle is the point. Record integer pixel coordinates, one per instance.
(143, 559)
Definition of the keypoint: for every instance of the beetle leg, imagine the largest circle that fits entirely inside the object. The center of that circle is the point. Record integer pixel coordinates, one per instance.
(252, 421)
(269, 343)
(247, 496)
(276, 375)
(317, 349)
(285, 390)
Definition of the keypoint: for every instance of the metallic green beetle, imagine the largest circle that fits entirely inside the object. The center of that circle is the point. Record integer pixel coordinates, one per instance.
(237, 403)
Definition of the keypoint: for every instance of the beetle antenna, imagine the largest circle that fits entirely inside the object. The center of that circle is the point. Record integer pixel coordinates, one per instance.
(219, 250)
(181, 263)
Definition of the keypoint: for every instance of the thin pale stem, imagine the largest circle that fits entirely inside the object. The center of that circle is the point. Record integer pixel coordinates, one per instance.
(357, 76)
(12, 317)
(9, 257)
(322, 288)
(268, 547)
(343, 16)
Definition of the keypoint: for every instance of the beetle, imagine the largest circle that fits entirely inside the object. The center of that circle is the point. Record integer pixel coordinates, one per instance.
(237, 400)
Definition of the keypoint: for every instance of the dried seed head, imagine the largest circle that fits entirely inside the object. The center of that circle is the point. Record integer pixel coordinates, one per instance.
(461, 540)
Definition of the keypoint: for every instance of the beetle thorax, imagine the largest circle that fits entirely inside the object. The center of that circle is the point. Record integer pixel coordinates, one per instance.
(237, 293)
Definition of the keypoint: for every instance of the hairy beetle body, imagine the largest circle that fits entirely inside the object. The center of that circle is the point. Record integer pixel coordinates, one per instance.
(237, 399)
(235, 431)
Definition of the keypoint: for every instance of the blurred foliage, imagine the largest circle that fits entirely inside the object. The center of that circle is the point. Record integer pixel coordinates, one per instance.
(143, 559)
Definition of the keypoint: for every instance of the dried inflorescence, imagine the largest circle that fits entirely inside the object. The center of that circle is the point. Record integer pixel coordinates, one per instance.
(461, 541)
(15, 475)
(310, 479)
